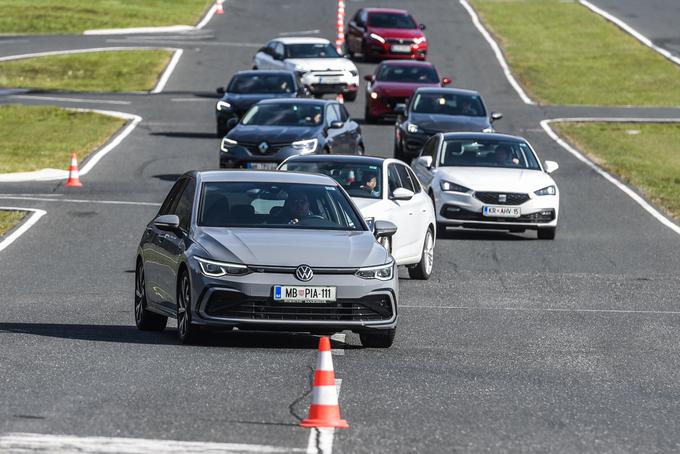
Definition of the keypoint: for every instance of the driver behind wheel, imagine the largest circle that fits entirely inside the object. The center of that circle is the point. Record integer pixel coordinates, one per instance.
(295, 209)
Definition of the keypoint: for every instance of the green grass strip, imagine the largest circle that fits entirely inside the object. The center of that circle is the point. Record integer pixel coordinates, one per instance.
(563, 53)
(644, 155)
(9, 219)
(76, 16)
(39, 137)
(115, 71)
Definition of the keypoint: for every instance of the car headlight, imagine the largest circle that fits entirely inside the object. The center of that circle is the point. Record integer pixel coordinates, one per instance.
(222, 105)
(548, 190)
(227, 144)
(305, 146)
(419, 40)
(374, 95)
(377, 37)
(412, 128)
(488, 130)
(211, 268)
(381, 272)
(447, 186)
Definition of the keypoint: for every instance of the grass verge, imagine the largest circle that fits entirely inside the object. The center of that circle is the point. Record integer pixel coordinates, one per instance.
(39, 137)
(643, 155)
(565, 54)
(76, 16)
(9, 219)
(115, 71)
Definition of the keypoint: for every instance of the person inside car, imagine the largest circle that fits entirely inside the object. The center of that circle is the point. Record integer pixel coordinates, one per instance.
(369, 182)
(294, 209)
(503, 156)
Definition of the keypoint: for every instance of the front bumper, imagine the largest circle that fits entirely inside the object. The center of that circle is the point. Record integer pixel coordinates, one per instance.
(242, 156)
(376, 49)
(333, 83)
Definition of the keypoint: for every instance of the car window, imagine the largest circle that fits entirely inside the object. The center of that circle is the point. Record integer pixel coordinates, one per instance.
(332, 114)
(185, 204)
(255, 83)
(279, 50)
(407, 73)
(393, 178)
(391, 20)
(358, 179)
(284, 114)
(448, 104)
(488, 153)
(270, 47)
(430, 147)
(344, 115)
(170, 201)
(414, 180)
(405, 178)
(363, 18)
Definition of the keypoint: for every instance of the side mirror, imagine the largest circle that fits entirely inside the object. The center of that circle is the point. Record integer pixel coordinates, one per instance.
(400, 109)
(551, 166)
(446, 81)
(384, 229)
(220, 90)
(368, 77)
(336, 125)
(496, 116)
(167, 222)
(422, 26)
(402, 194)
(425, 161)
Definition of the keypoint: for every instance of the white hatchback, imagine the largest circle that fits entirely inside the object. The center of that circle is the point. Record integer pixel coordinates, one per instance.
(489, 181)
(383, 189)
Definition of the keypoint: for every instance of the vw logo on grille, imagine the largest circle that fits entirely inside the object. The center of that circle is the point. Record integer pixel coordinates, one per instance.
(304, 273)
(502, 198)
(263, 147)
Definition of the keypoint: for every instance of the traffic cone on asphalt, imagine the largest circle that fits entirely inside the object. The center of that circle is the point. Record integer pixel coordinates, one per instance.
(324, 411)
(220, 9)
(73, 174)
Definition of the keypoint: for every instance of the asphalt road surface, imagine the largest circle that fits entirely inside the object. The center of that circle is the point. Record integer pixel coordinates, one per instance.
(514, 344)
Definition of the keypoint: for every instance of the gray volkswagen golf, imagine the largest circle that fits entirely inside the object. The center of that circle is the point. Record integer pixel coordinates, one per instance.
(266, 251)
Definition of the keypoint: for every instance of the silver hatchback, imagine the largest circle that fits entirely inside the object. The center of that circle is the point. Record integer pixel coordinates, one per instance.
(266, 251)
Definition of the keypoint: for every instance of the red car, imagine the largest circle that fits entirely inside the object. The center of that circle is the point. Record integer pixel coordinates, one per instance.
(393, 82)
(379, 33)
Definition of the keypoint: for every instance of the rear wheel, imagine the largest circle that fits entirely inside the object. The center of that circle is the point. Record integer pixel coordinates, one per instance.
(398, 152)
(423, 269)
(547, 233)
(186, 331)
(379, 338)
(145, 319)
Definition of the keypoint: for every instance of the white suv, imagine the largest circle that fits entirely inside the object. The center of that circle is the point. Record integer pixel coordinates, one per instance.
(321, 69)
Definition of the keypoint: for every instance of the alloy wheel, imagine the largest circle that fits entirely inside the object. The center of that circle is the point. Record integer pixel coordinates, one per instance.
(183, 304)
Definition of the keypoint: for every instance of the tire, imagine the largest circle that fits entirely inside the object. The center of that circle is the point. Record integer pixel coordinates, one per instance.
(350, 96)
(368, 118)
(255, 67)
(318, 95)
(145, 319)
(361, 150)
(398, 154)
(423, 269)
(547, 233)
(186, 331)
(379, 338)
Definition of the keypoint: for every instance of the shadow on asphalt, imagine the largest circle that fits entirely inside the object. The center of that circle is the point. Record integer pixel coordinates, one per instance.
(198, 94)
(129, 334)
(482, 235)
(168, 176)
(186, 135)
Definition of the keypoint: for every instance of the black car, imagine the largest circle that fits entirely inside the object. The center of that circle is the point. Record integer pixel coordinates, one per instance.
(433, 110)
(274, 129)
(249, 87)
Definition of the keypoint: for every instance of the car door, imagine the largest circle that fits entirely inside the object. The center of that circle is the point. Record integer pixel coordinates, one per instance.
(264, 58)
(422, 204)
(425, 174)
(399, 214)
(278, 56)
(355, 32)
(353, 131)
(414, 228)
(335, 137)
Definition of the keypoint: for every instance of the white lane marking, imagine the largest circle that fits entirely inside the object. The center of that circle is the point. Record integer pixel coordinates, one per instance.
(303, 32)
(208, 16)
(76, 100)
(545, 124)
(192, 99)
(499, 53)
(27, 224)
(168, 71)
(325, 436)
(631, 31)
(65, 444)
(80, 51)
(538, 309)
(60, 200)
(338, 337)
(138, 30)
(187, 43)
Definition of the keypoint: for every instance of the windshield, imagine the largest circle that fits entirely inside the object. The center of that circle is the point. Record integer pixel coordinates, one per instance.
(359, 180)
(408, 73)
(273, 83)
(311, 50)
(448, 104)
(276, 205)
(391, 20)
(488, 153)
(284, 114)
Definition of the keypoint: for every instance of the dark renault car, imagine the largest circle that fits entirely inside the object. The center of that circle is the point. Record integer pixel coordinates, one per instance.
(265, 251)
(433, 110)
(249, 87)
(272, 130)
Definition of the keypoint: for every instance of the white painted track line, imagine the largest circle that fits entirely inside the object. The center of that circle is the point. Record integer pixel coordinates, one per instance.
(323, 438)
(139, 30)
(65, 444)
(75, 100)
(168, 72)
(60, 200)
(631, 31)
(539, 309)
(208, 16)
(80, 51)
(499, 53)
(545, 124)
(23, 228)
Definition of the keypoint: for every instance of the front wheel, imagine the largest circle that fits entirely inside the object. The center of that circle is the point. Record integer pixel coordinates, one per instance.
(186, 331)
(368, 118)
(423, 269)
(547, 233)
(145, 319)
(379, 338)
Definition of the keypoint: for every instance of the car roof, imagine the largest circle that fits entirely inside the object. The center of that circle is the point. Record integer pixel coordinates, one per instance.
(263, 176)
(370, 160)
(482, 135)
(320, 102)
(386, 10)
(453, 91)
(301, 40)
(264, 72)
(407, 63)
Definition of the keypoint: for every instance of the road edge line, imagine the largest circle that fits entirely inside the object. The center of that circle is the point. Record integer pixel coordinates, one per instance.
(499, 53)
(207, 17)
(23, 228)
(631, 31)
(138, 30)
(545, 124)
(163, 80)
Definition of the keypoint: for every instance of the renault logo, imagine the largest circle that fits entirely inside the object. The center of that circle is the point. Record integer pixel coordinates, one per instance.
(263, 147)
(502, 198)
(304, 273)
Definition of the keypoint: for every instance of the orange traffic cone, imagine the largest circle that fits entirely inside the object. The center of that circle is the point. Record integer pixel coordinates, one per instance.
(220, 9)
(324, 411)
(73, 174)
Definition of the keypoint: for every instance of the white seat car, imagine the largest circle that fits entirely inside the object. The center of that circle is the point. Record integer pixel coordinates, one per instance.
(321, 69)
(489, 181)
(383, 189)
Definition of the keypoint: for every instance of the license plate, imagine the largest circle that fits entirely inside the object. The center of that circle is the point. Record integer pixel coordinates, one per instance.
(261, 165)
(401, 48)
(493, 211)
(303, 294)
(329, 80)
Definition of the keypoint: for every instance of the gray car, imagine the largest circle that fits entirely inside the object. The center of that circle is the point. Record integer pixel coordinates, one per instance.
(267, 251)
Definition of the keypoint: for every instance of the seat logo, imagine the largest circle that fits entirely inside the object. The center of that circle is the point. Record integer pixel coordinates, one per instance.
(502, 198)
(304, 273)
(263, 147)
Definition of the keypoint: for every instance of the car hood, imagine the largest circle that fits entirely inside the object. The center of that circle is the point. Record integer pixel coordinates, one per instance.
(243, 101)
(405, 89)
(496, 179)
(396, 32)
(441, 123)
(320, 64)
(272, 134)
(292, 247)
